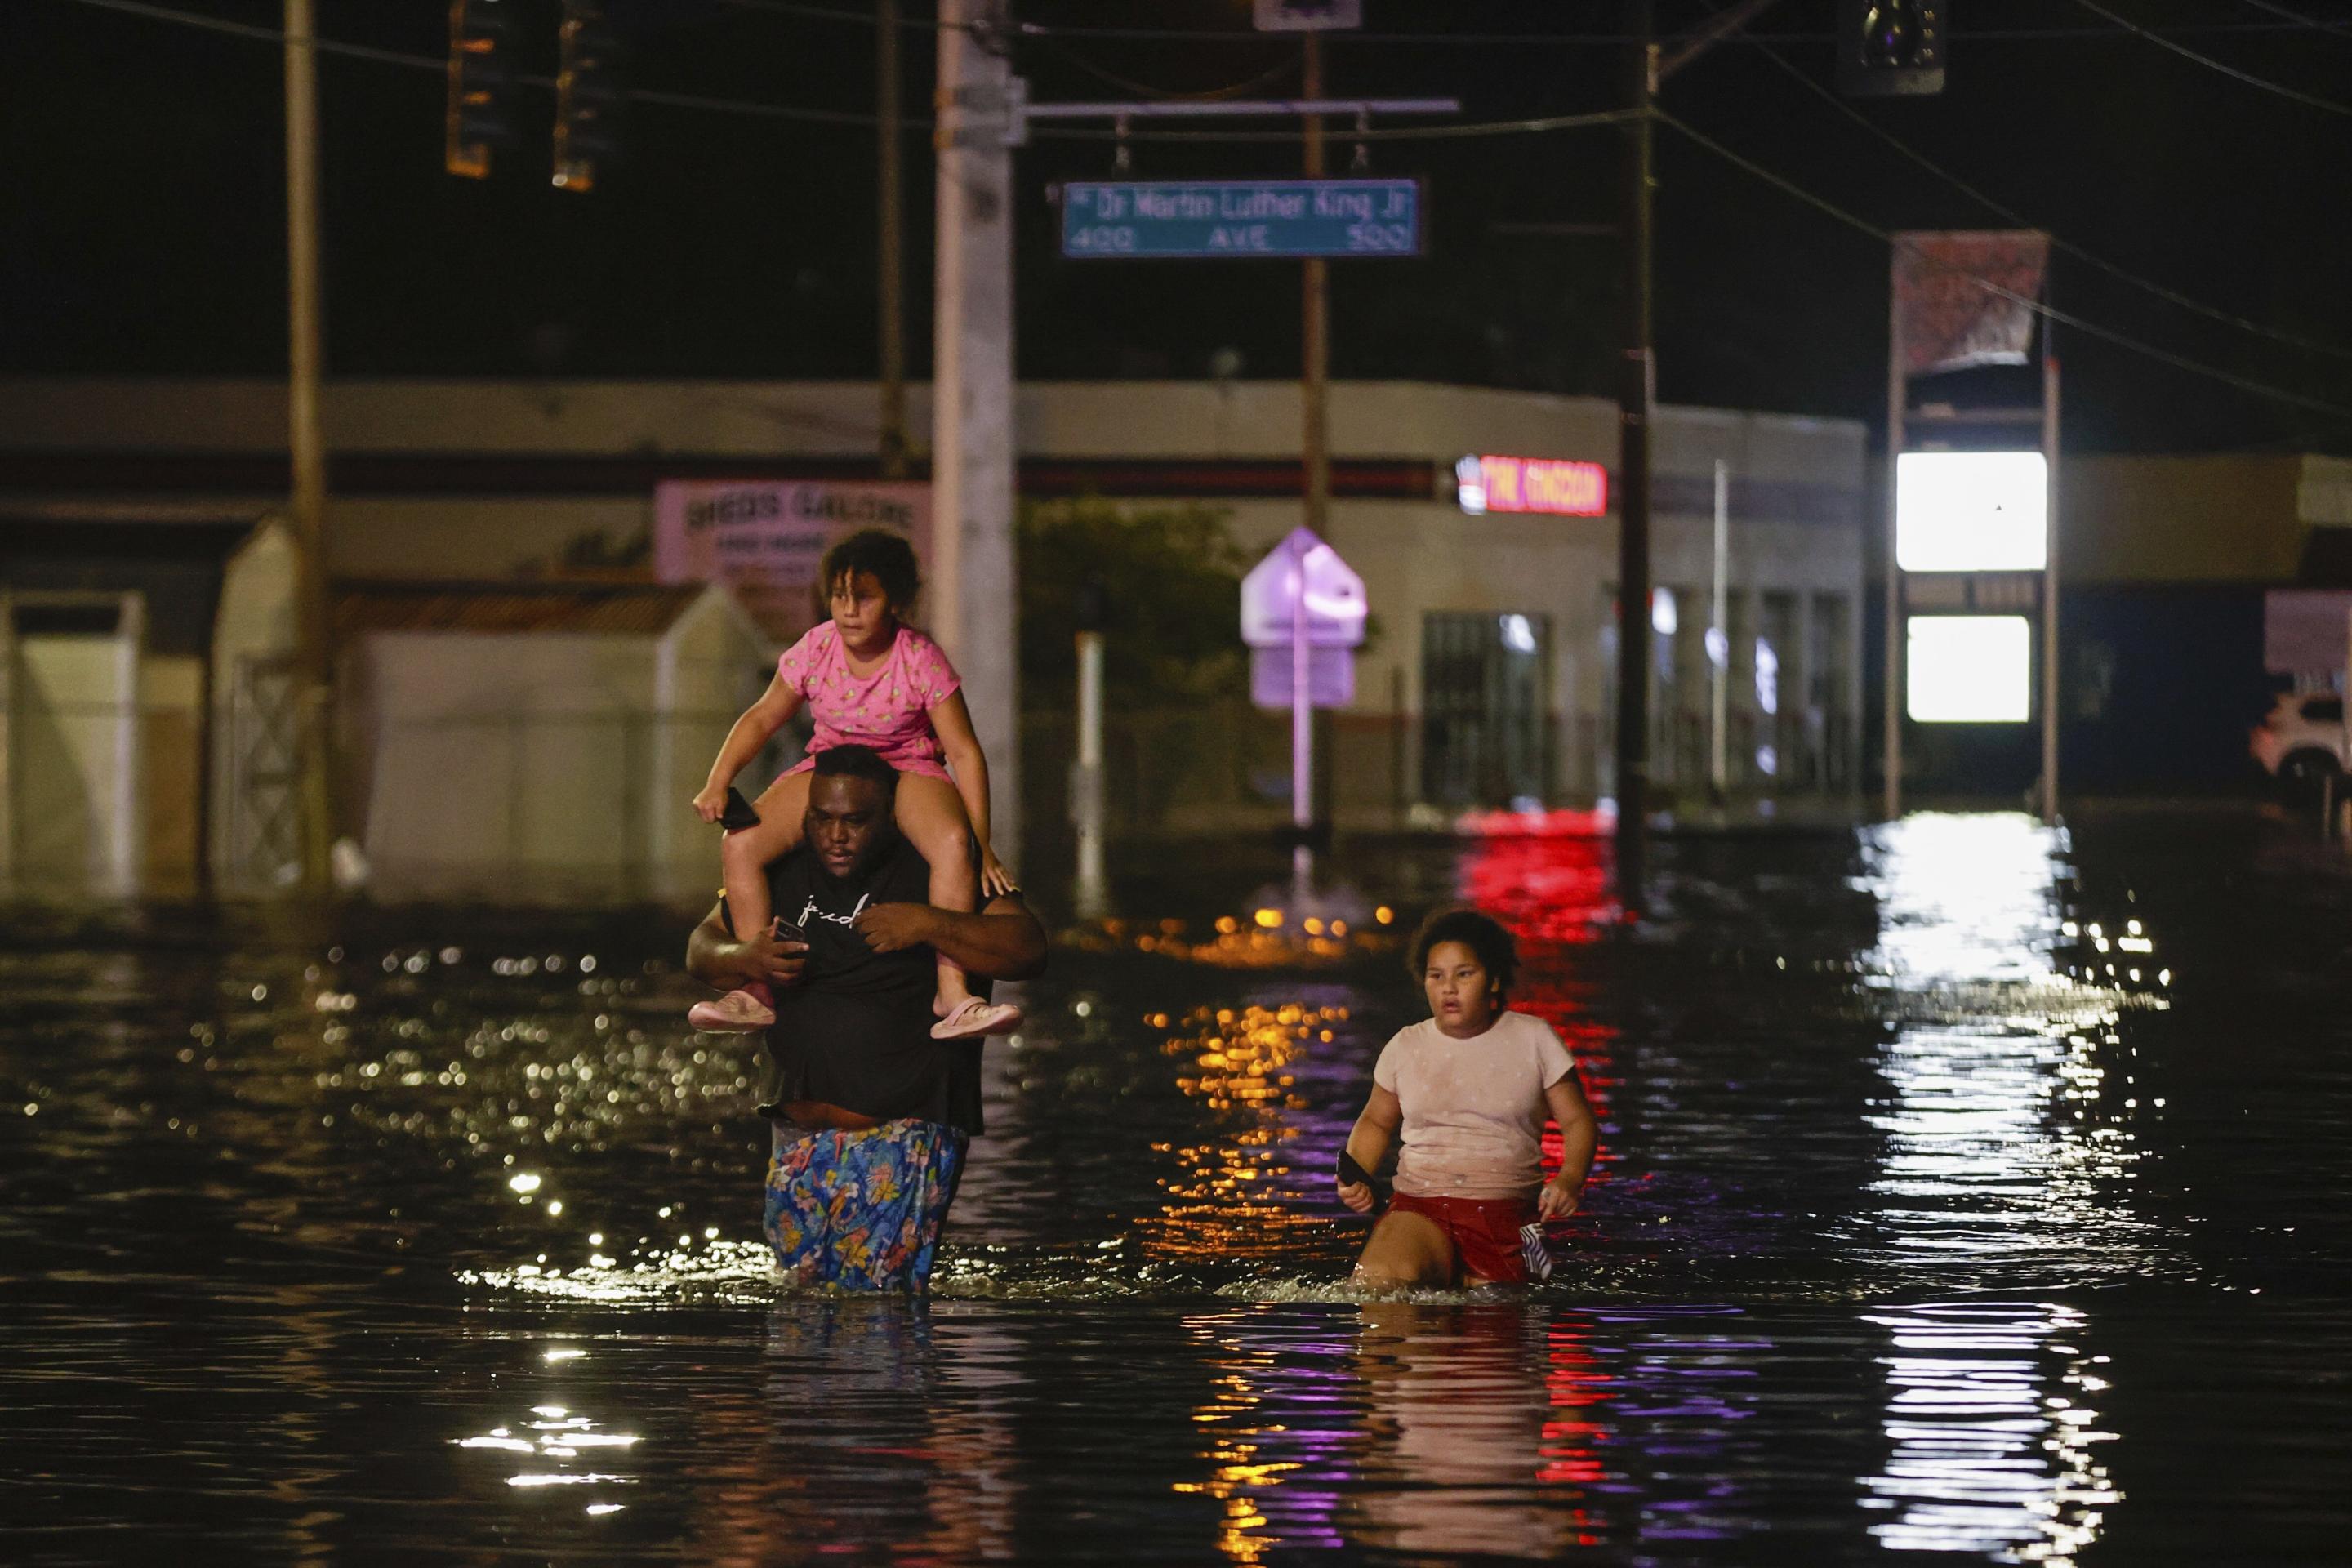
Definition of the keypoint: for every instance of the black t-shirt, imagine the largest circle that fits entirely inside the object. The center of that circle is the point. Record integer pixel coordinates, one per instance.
(856, 1031)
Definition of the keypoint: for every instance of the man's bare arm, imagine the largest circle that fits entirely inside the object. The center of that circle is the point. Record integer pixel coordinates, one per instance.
(715, 956)
(1004, 942)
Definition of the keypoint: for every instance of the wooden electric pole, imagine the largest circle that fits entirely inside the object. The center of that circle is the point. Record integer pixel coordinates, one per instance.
(1637, 390)
(306, 440)
(890, 268)
(1315, 377)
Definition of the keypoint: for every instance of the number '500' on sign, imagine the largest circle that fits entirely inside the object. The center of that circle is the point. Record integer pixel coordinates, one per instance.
(1256, 217)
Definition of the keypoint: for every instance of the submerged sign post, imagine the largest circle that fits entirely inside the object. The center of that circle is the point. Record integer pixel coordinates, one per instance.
(1303, 617)
(1167, 219)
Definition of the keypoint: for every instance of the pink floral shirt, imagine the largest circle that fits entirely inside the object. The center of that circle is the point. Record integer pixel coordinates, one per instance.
(888, 710)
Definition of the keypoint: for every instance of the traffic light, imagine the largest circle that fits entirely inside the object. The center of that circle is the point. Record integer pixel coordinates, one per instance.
(477, 86)
(1891, 48)
(589, 96)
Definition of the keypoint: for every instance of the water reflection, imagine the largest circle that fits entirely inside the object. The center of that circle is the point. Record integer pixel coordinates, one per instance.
(1296, 932)
(1553, 895)
(2004, 1140)
(1277, 1427)
(1966, 898)
(1466, 1450)
(870, 1424)
(1861, 1329)
(1485, 1428)
(1991, 1415)
(556, 1446)
(1250, 1189)
(2003, 1134)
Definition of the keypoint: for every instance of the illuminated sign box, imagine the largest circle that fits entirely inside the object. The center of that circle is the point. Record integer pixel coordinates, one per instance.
(1970, 669)
(1549, 485)
(1971, 511)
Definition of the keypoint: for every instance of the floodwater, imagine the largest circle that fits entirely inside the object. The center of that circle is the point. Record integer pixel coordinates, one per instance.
(1966, 1191)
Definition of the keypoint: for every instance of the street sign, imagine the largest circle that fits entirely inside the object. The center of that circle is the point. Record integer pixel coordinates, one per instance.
(1241, 218)
(1334, 610)
(1332, 614)
(1330, 677)
(1307, 16)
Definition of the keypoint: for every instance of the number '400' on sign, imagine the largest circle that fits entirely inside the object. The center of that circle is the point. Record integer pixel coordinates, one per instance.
(1241, 218)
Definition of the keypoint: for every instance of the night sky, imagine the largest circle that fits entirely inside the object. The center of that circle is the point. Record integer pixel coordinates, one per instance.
(141, 225)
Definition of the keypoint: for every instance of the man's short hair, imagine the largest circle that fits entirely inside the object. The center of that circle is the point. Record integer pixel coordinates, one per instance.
(1498, 954)
(859, 763)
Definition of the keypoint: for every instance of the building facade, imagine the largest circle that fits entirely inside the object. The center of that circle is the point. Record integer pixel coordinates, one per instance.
(1491, 682)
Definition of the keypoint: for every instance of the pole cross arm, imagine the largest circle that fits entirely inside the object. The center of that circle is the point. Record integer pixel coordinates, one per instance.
(1718, 27)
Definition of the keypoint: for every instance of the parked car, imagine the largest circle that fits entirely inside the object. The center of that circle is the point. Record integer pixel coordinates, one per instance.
(2301, 740)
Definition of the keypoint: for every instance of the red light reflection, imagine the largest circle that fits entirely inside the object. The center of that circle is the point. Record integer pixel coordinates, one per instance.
(1552, 891)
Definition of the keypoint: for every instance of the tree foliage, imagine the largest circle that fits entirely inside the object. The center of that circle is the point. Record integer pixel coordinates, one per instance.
(1171, 578)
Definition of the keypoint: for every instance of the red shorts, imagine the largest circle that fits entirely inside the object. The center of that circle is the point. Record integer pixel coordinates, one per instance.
(1485, 1232)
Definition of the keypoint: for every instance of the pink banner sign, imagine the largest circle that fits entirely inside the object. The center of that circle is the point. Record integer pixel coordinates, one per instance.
(1965, 298)
(765, 538)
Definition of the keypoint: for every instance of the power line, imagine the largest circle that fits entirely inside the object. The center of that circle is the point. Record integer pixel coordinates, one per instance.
(2209, 62)
(1402, 134)
(1483, 128)
(2312, 346)
(2290, 22)
(837, 14)
(850, 117)
(437, 65)
(264, 34)
(2315, 23)
(1169, 95)
(1977, 36)
(2108, 335)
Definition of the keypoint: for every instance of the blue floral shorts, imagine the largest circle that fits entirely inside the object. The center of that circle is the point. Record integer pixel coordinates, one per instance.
(861, 1209)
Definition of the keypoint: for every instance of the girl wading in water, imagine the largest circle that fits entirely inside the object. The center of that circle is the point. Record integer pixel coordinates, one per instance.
(1471, 1088)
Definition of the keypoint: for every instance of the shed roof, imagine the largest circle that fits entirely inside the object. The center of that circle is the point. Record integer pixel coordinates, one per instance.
(641, 609)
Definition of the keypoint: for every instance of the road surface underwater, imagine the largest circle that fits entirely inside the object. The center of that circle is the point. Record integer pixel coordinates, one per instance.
(1967, 1190)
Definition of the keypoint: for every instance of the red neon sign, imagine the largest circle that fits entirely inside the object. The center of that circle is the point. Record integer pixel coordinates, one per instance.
(1550, 485)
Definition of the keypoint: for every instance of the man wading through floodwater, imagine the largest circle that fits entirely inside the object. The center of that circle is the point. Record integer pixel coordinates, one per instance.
(872, 1115)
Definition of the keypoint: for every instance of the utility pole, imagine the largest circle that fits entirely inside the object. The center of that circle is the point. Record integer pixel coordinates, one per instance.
(1315, 461)
(1637, 390)
(1898, 405)
(973, 554)
(306, 440)
(1315, 431)
(2049, 715)
(889, 271)
(1719, 642)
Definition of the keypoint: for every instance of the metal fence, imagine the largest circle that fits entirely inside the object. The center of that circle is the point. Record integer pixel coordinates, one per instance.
(594, 805)
(543, 807)
(1173, 771)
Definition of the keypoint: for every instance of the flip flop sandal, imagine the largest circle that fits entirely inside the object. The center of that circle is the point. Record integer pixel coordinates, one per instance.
(736, 1012)
(973, 1018)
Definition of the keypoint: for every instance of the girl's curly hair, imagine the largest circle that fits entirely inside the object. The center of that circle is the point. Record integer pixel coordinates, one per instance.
(1497, 953)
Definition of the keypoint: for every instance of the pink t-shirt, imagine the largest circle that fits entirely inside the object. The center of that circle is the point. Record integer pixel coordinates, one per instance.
(1473, 1109)
(889, 709)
